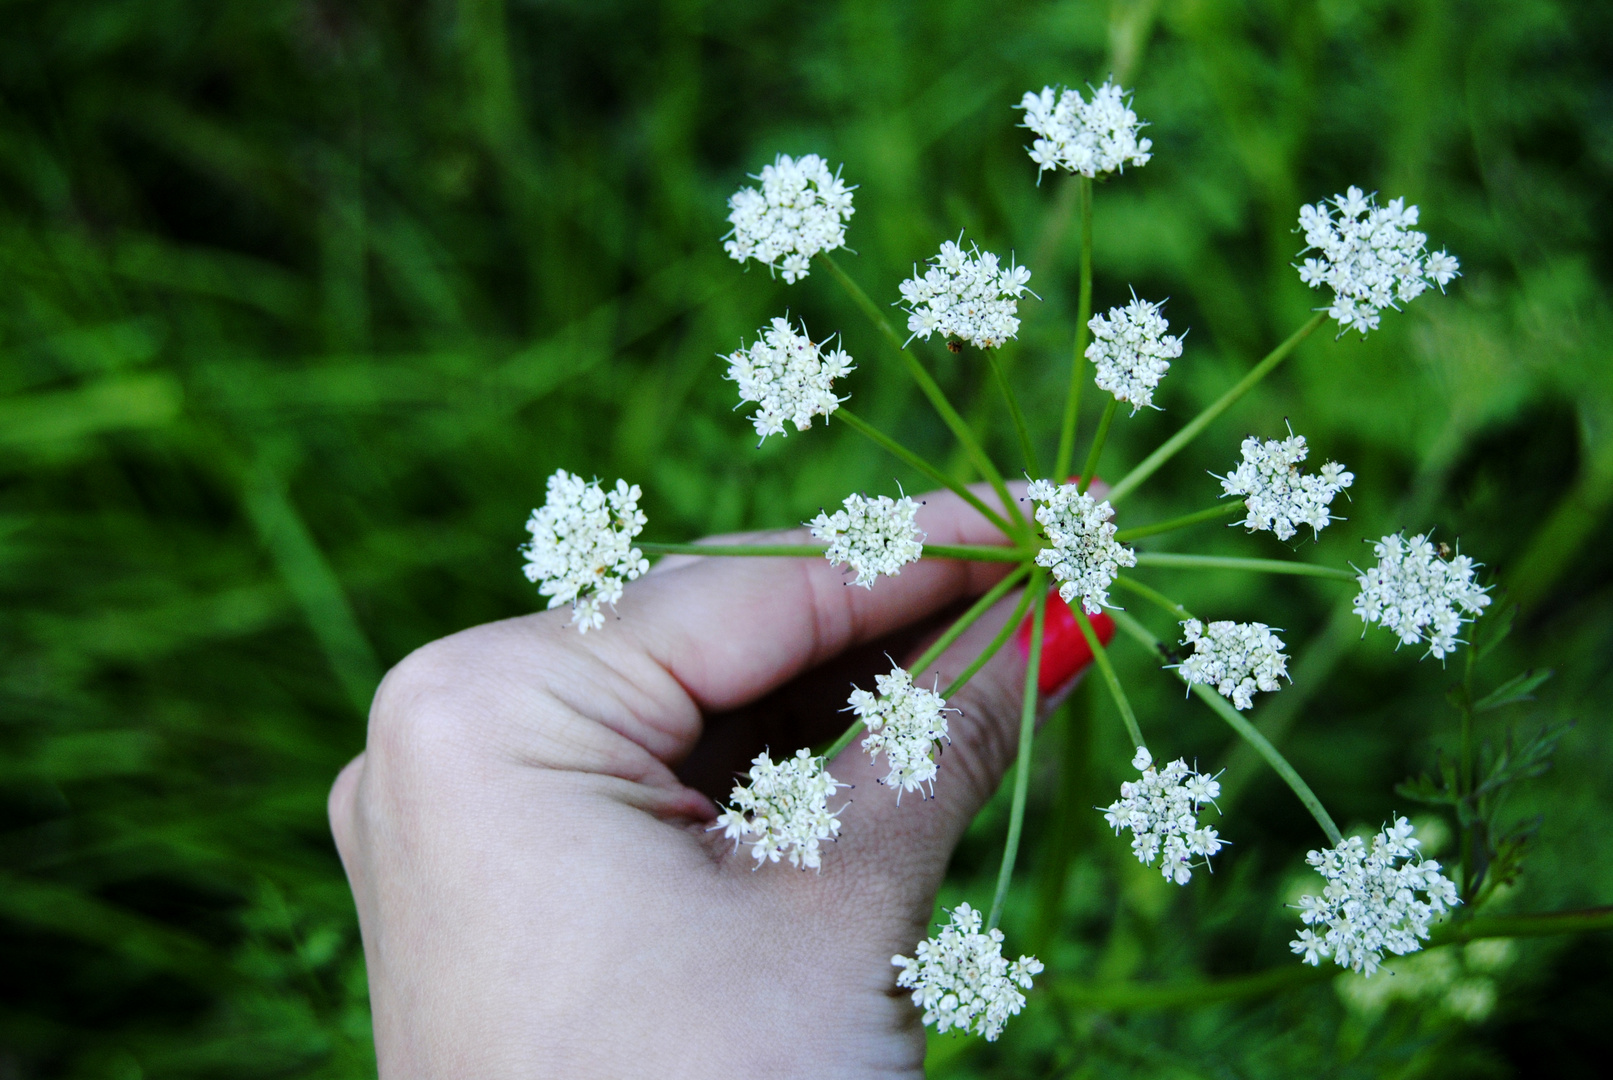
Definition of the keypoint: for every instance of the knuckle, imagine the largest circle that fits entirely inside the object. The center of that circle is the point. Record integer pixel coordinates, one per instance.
(340, 806)
(426, 701)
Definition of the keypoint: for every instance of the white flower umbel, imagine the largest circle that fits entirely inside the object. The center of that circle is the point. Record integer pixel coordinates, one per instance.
(906, 722)
(1083, 555)
(966, 295)
(801, 209)
(1132, 351)
(784, 811)
(1161, 810)
(1278, 497)
(1419, 595)
(872, 536)
(1370, 256)
(788, 376)
(1086, 137)
(1370, 903)
(582, 550)
(961, 979)
(1235, 658)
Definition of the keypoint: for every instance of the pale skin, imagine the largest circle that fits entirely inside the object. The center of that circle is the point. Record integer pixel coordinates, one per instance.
(537, 889)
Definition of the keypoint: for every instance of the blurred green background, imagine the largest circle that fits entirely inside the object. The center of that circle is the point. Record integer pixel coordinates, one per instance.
(301, 301)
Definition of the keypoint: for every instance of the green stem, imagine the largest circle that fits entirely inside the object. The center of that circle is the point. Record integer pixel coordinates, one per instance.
(1083, 315)
(942, 644)
(1165, 995)
(1227, 562)
(1274, 758)
(997, 642)
(968, 619)
(857, 423)
(1154, 596)
(1221, 510)
(970, 552)
(1022, 765)
(756, 550)
(1090, 469)
(978, 552)
(1026, 447)
(1100, 656)
(932, 390)
(1244, 728)
(1190, 430)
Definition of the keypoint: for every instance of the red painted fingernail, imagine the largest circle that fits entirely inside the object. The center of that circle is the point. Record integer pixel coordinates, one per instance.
(1065, 653)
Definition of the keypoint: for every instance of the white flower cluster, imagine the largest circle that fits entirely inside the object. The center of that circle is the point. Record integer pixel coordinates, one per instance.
(1418, 594)
(961, 980)
(1083, 555)
(1132, 351)
(1369, 905)
(1161, 810)
(1279, 499)
(801, 210)
(788, 377)
(1370, 256)
(1235, 658)
(966, 295)
(906, 722)
(872, 536)
(1086, 137)
(784, 810)
(582, 550)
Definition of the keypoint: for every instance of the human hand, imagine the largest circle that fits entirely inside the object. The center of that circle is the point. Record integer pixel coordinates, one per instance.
(528, 844)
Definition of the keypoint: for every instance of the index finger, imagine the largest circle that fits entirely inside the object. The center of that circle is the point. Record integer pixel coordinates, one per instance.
(731, 629)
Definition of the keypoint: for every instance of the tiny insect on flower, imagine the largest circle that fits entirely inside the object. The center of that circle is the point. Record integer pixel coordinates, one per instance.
(1419, 594)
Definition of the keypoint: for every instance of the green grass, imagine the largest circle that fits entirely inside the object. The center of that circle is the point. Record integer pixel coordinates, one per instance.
(300, 302)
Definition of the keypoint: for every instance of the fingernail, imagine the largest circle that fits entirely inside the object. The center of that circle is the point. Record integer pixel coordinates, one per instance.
(1065, 653)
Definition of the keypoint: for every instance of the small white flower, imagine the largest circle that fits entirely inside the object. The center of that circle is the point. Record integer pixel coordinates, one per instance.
(788, 376)
(1161, 810)
(1370, 256)
(970, 296)
(1132, 351)
(802, 209)
(1084, 137)
(582, 549)
(1419, 595)
(1083, 555)
(1279, 499)
(784, 811)
(1235, 658)
(1369, 905)
(872, 536)
(906, 722)
(961, 979)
